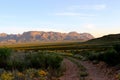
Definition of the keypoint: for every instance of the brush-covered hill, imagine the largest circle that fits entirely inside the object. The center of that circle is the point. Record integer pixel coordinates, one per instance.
(34, 36)
(111, 38)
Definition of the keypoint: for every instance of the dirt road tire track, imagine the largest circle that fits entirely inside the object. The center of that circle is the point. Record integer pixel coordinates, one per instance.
(71, 72)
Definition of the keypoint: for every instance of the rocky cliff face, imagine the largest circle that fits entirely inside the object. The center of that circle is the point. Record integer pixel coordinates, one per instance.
(32, 36)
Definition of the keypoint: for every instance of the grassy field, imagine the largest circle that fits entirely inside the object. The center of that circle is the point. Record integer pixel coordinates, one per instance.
(71, 45)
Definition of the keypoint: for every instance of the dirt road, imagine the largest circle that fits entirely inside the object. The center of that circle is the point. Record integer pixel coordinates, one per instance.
(95, 72)
(71, 72)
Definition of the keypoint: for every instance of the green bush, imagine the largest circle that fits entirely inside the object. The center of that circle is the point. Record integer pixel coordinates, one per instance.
(4, 56)
(16, 64)
(85, 53)
(93, 56)
(117, 48)
(40, 60)
(111, 57)
(54, 61)
(5, 53)
(97, 56)
(44, 60)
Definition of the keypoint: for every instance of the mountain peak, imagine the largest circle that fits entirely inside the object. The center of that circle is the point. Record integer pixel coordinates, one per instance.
(3, 34)
(32, 36)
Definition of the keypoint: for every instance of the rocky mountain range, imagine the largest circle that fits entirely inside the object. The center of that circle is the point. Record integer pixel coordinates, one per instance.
(32, 36)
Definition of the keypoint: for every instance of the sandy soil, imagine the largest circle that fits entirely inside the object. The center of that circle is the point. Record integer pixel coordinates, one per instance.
(71, 72)
(95, 72)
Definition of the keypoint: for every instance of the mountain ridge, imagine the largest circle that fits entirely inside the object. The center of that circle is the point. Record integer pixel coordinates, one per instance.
(32, 36)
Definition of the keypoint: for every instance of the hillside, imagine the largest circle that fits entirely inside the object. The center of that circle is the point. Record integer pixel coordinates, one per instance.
(34, 36)
(112, 38)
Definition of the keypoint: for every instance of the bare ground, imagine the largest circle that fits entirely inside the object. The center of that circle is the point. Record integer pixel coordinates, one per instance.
(71, 72)
(95, 72)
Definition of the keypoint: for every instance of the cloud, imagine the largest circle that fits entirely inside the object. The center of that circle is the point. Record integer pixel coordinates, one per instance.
(88, 7)
(74, 14)
(89, 26)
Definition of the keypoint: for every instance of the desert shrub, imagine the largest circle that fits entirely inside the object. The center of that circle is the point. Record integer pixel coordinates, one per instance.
(28, 74)
(16, 64)
(117, 48)
(6, 76)
(100, 56)
(85, 53)
(111, 57)
(83, 74)
(93, 56)
(96, 56)
(20, 65)
(37, 60)
(48, 61)
(54, 61)
(44, 60)
(75, 52)
(4, 56)
(5, 52)
(90, 55)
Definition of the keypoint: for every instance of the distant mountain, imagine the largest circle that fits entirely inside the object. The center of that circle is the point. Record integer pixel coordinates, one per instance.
(32, 36)
(112, 38)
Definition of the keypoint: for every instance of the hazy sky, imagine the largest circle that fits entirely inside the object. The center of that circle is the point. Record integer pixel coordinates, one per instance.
(98, 17)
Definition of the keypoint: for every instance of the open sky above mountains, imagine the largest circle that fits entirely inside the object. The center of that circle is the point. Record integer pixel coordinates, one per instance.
(98, 17)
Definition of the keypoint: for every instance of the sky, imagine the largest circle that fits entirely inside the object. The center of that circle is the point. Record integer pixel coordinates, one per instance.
(98, 17)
